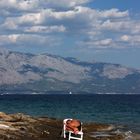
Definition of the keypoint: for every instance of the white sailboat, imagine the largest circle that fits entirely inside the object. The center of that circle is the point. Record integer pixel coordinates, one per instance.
(70, 92)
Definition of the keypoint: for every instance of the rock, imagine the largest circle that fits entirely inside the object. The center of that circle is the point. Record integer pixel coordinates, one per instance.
(3, 126)
(23, 127)
(4, 117)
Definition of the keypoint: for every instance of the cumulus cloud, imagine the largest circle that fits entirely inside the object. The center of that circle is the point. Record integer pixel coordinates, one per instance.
(65, 3)
(18, 4)
(115, 25)
(115, 13)
(28, 5)
(26, 21)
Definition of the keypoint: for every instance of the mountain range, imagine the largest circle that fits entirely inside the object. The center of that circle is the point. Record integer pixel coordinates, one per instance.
(44, 73)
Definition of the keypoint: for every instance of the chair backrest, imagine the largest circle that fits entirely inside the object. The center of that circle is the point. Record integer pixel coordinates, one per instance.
(71, 134)
(64, 126)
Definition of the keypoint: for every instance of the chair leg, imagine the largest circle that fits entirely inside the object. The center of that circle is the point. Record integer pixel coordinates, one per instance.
(69, 135)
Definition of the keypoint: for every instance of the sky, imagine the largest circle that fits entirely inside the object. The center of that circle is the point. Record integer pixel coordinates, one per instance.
(89, 30)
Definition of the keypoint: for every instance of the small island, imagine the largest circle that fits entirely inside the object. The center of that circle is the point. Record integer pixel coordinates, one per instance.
(20, 127)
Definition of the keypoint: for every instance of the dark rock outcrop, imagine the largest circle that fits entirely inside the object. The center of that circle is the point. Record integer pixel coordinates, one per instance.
(23, 127)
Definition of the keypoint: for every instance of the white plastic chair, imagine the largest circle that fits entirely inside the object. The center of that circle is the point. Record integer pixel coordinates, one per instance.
(71, 135)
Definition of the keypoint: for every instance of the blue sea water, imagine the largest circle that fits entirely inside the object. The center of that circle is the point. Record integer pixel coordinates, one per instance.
(113, 109)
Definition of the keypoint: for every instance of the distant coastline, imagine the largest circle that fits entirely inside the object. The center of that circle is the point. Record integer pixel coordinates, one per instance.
(42, 92)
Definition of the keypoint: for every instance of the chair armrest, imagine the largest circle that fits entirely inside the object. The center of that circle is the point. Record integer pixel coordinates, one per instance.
(80, 132)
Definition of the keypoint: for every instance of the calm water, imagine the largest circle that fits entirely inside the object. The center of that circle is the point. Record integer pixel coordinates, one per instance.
(114, 109)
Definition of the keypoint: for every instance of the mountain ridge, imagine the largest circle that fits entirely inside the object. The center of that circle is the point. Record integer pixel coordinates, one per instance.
(46, 72)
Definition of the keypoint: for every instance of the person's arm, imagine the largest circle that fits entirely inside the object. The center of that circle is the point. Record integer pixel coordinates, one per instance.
(74, 129)
(69, 128)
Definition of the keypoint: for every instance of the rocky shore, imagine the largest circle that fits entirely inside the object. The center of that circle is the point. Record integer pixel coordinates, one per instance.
(24, 127)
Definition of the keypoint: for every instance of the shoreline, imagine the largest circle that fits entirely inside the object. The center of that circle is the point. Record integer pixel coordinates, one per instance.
(117, 110)
(20, 127)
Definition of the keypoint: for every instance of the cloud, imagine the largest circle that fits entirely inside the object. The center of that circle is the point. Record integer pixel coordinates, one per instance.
(99, 44)
(125, 38)
(41, 22)
(31, 5)
(115, 13)
(104, 42)
(45, 29)
(65, 3)
(19, 5)
(115, 25)
(27, 40)
(133, 40)
(30, 19)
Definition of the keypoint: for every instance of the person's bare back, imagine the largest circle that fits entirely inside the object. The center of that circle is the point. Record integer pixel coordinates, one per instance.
(73, 125)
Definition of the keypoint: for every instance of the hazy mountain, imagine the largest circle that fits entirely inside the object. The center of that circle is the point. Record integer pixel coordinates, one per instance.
(45, 72)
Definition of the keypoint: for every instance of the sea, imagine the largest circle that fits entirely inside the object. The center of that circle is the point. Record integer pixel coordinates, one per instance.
(120, 110)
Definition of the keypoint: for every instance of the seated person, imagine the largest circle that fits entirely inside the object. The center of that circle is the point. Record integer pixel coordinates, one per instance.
(73, 125)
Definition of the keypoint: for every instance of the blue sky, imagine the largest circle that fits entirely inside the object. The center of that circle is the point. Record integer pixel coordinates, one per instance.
(90, 30)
